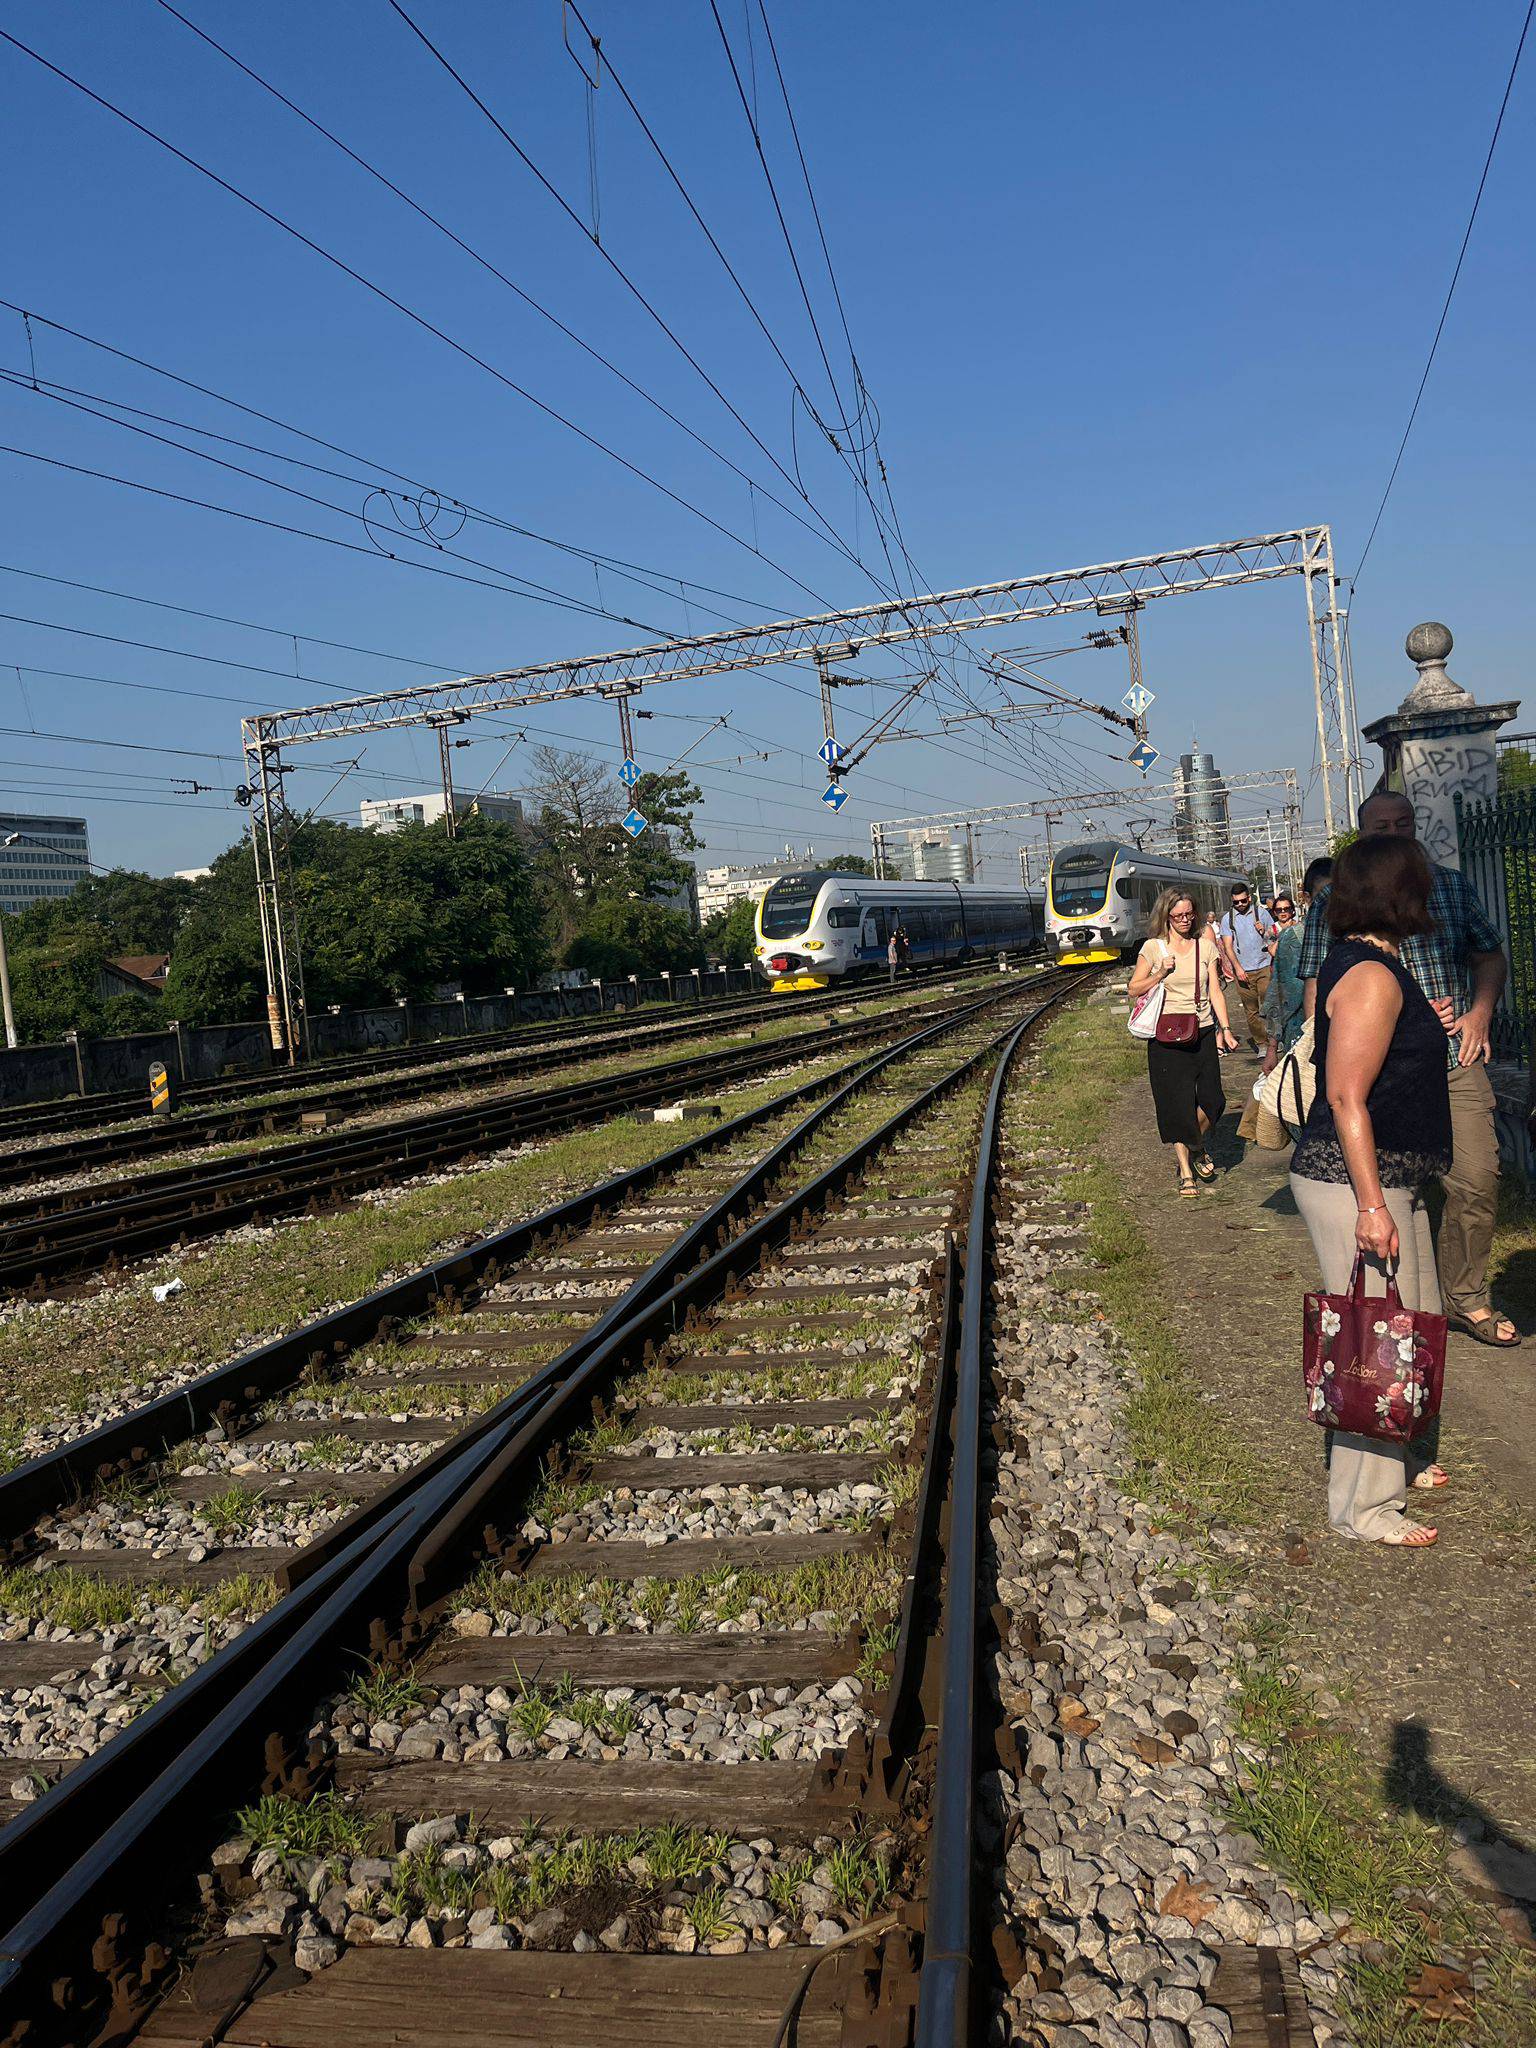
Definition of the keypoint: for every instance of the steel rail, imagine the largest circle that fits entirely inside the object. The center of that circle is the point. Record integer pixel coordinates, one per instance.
(261, 1118)
(948, 1969)
(82, 1229)
(125, 1105)
(71, 1470)
(650, 1023)
(390, 1569)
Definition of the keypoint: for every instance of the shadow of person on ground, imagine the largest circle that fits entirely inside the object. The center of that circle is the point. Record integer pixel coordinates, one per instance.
(1486, 1857)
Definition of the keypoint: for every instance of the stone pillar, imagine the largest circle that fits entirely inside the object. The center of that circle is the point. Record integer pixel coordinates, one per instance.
(1439, 743)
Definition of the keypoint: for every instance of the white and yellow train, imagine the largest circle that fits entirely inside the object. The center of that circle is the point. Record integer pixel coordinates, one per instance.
(816, 928)
(1100, 896)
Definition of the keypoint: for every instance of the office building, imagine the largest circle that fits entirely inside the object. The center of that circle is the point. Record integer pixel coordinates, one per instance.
(943, 859)
(1202, 826)
(40, 858)
(388, 814)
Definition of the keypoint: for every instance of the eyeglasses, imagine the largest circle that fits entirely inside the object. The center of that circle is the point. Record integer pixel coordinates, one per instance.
(1285, 910)
(1180, 916)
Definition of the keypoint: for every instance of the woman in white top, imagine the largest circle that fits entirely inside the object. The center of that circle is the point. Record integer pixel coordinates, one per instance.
(1185, 1078)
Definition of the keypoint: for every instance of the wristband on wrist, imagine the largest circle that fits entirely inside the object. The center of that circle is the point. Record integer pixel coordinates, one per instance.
(1376, 1209)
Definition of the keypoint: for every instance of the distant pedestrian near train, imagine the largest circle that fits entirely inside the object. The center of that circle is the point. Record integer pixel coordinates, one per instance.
(1185, 1075)
(1285, 1004)
(1459, 964)
(1248, 937)
(1378, 1129)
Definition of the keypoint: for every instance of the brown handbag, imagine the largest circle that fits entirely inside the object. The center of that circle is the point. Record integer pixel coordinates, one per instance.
(1182, 1030)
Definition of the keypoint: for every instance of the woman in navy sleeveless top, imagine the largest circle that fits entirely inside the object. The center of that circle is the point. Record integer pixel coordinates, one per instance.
(1379, 1127)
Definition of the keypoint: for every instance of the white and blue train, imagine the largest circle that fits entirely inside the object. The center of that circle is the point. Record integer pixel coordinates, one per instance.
(1102, 893)
(815, 928)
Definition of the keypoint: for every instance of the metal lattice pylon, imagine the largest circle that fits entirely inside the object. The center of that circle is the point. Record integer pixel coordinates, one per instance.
(825, 637)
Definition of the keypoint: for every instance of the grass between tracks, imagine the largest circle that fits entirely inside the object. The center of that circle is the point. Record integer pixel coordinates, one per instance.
(1313, 1802)
(59, 1358)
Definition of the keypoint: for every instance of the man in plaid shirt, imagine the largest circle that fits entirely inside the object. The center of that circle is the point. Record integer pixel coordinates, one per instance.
(1461, 968)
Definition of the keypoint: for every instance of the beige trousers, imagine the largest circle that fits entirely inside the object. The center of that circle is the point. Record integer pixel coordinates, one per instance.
(1367, 1479)
(1251, 994)
(1471, 1192)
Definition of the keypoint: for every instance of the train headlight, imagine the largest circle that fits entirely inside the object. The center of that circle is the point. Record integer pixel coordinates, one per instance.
(814, 946)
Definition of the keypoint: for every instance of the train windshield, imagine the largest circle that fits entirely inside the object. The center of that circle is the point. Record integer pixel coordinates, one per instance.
(788, 905)
(1080, 879)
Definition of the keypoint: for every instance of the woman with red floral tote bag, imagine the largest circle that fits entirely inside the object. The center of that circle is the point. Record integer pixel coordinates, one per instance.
(1379, 1127)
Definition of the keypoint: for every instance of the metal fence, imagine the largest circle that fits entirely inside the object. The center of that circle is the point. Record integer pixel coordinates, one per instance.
(1498, 858)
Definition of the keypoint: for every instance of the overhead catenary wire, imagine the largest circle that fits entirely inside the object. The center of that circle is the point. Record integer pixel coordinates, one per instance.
(616, 564)
(410, 313)
(833, 537)
(477, 256)
(1461, 256)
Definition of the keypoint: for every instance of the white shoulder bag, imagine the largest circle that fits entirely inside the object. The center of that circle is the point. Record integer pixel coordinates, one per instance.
(1147, 1009)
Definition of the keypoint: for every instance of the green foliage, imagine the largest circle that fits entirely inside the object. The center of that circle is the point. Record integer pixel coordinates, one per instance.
(381, 915)
(613, 904)
(731, 934)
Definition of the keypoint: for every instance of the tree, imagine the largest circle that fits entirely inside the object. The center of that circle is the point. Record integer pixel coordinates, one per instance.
(852, 864)
(626, 935)
(380, 915)
(597, 880)
(731, 934)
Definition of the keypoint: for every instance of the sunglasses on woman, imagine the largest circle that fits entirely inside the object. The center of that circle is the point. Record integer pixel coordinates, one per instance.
(1285, 910)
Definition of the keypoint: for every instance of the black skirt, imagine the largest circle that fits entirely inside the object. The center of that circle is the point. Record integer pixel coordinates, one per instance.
(1184, 1079)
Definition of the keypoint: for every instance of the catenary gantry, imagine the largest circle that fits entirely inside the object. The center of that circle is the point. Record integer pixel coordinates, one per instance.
(1305, 552)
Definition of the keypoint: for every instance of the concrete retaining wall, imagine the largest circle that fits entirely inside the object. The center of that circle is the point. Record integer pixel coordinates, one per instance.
(91, 1066)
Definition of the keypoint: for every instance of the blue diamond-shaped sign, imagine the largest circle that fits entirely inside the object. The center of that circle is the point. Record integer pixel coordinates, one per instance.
(830, 752)
(634, 824)
(1138, 700)
(834, 796)
(629, 775)
(1142, 756)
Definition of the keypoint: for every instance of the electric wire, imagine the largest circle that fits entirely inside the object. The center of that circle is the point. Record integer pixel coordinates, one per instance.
(615, 564)
(421, 320)
(485, 262)
(1461, 254)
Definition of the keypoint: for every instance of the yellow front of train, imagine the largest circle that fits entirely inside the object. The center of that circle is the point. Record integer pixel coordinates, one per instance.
(1081, 914)
(791, 946)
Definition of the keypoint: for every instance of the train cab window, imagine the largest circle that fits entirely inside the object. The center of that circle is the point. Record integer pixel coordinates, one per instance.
(1125, 888)
(1080, 878)
(788, 905)
(844, 917)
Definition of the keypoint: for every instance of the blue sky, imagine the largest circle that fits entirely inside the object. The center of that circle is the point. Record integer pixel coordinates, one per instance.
(1119, 279)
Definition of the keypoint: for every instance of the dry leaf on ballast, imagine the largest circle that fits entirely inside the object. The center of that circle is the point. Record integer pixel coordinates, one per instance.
(1188, 1902)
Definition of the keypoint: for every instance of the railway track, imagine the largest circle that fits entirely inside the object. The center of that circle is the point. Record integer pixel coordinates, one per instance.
(270, 1098)
(66, 1233)
(131, 1105)
(674, 1588)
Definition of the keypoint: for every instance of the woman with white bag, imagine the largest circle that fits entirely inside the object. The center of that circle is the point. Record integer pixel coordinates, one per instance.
(1179, 1008)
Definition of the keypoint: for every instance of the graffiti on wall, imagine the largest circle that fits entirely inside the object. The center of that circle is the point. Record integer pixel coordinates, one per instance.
(1433, 773)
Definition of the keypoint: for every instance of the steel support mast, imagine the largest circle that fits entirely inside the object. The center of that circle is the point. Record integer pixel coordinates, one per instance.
(827, 637)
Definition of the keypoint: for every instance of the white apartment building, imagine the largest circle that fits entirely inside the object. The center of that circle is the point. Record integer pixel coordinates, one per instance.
(40, 858)
(720, 887)
(389, 813)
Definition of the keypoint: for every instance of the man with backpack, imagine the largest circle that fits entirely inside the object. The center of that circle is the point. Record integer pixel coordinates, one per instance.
(1247, 938)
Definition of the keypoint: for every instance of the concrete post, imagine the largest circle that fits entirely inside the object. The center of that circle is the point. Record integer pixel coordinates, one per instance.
(1439, 744)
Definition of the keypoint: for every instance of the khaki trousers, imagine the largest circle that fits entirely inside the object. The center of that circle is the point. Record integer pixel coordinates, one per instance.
(1471, 1192)
(1367, 1479)
(1251, 994)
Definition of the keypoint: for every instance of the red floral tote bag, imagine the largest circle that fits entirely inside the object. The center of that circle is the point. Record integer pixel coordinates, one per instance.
(1371, 1366)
